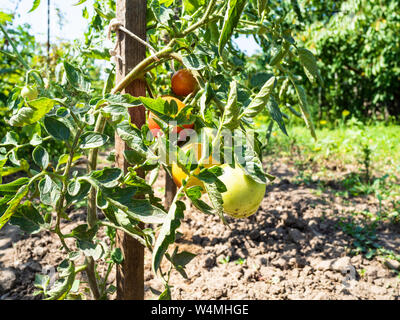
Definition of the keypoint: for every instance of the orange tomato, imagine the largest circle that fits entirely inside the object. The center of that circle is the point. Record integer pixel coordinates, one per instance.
(178, 175)
(155, 128)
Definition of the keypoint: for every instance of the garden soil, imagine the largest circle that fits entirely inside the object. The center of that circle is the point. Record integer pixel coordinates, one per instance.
(292, 248)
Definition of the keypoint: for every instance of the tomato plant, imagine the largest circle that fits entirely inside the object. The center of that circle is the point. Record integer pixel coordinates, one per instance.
(190, 35)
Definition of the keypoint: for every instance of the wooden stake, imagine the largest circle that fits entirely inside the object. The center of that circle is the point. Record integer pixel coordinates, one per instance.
(132, 15)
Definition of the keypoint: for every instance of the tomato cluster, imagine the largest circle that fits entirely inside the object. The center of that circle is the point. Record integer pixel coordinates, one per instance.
(183, 83)
(244, 195)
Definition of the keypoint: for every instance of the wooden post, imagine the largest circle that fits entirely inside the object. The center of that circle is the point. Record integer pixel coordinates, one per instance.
(170, 190)
(132, 15)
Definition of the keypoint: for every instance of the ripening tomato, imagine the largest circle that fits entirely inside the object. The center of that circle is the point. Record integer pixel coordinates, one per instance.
(29, 92)
(178, 175)
(155, 128)
(244, 195)
(183, 83)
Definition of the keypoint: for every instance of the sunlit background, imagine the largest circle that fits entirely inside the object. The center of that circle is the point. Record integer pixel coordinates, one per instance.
(67, 22)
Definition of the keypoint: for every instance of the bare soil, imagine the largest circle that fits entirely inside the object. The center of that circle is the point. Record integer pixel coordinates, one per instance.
(292, 248)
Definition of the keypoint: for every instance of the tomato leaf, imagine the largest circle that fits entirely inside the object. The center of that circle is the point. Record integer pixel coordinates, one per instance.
(41, 157)
(57, 129)
(90, 140)
(167, 233)
(13, 205)
(36, 4)
(276, 114)
(231, 20)
(28, 218)
(301, 94)
(232, 109)
(29, 115)
(76, 78)
(261, 99)
(310, 66)
(216, 200)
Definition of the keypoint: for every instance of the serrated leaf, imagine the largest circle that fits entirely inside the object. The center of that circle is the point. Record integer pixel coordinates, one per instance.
(29, 115)
(216, 200)
(231, 20)
(28, 218)
(64, 285)
(167, 233)
(309, 64)
(232, 109)
(261, 99)
(13, 205)
(276, 114)
(76, 78)
(192, 61)
(301, 94)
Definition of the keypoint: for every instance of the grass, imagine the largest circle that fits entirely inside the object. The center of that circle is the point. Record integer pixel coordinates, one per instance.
(351, 160)
(345, 142)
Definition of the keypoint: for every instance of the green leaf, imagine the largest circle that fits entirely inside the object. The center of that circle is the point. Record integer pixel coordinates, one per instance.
(64, 285)
(13, 187)
(194, 194)
(41, 157)
(250, 162)
(107, 177)
(76, 78)
(216, 200)
(49, 191)
(232, 109)
(56, 128)
(29, 115)
(231, 20)
(90, 140)
(36, 4)
(165, 295)
(180, 260)
(79, 2)
(123, 100)
(28, 218)
(83, 232)
(301, 94)
(90, 249)
(309, 64)
(36, 140)
(167, 233)
(134, 157)
(276, 114)
(190, 6)
(133, 138)
(162, 14)
(192, 61)
(117, 256)
(11, 138)
(261, 5)
(261, 99)
(13, 205)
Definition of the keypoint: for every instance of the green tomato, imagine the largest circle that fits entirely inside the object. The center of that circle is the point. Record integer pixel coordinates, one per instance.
(29, 92)
(244, 195)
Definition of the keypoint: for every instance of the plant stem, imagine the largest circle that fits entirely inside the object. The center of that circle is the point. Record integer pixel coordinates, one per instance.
(137, 71)
(202, 21)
